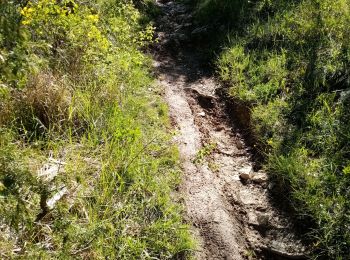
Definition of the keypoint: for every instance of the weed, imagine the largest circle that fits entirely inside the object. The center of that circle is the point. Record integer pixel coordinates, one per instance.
(204, 152)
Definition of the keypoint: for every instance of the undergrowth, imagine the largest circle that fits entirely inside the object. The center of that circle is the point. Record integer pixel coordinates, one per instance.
(288, 61)
(77, 117)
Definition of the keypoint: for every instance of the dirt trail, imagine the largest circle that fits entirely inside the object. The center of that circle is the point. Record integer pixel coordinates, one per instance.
(231, 218)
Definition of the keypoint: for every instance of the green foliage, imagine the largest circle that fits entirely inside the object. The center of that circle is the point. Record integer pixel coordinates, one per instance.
(11, 39)
(269, 124)
(289, 62)
(256, 79)
(204, 152)
(74, 87)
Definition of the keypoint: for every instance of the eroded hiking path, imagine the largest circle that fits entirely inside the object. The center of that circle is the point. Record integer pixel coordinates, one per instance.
(231, 218)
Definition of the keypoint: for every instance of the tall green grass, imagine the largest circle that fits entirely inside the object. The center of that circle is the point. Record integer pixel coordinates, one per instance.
(288, 61)
(76, 88)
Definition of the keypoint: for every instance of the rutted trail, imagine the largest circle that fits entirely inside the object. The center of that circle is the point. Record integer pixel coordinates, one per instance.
(231, 218)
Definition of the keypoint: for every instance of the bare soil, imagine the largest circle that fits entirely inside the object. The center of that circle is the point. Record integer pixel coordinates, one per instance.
(227, 203)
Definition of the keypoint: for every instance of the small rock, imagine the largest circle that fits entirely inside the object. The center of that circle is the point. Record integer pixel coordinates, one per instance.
(245, 173)
(261, 208)
(259, 177)
(271, 185)
(252, 219)
(201, 114)
(263, 219)
(239, 144)
(244, 176)
(226, 151)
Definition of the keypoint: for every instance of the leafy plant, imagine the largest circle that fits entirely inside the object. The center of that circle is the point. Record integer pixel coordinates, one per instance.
(204, 152)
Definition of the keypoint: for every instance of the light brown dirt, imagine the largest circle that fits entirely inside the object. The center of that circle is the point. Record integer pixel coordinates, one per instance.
(231, 218)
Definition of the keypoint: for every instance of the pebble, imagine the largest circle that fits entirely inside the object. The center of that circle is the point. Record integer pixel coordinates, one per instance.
(259, 177)
(239, 144)
(245, 172)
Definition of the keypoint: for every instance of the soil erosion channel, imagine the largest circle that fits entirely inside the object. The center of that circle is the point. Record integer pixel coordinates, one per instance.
(227, 203)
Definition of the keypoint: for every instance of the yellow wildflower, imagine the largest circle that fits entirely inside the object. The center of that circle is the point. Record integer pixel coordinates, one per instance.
(93, 18)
